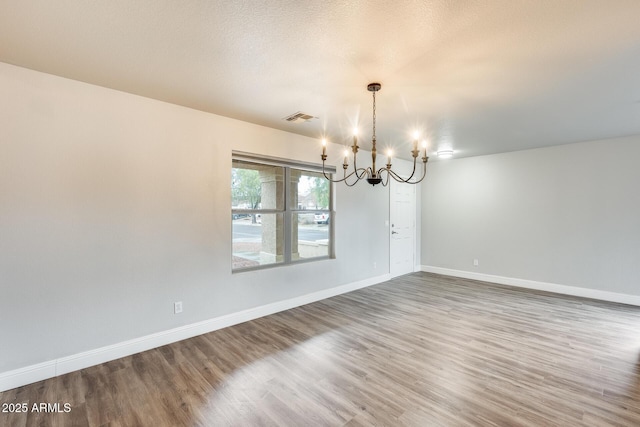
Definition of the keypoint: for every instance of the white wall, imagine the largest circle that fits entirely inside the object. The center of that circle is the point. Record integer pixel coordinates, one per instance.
(113, 206)
(567, 215)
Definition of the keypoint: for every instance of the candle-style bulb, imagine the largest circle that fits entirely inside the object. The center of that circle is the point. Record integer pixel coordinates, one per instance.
(424, 157)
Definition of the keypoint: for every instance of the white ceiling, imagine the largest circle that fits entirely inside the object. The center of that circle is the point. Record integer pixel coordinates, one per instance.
(477, 76)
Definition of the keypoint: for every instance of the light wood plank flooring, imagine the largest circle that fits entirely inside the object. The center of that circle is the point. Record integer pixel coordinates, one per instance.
(420, 350)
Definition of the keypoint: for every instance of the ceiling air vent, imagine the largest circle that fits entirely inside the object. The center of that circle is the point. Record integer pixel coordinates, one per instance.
(299, 117)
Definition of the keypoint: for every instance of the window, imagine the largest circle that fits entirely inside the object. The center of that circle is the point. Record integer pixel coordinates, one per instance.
(281, 212)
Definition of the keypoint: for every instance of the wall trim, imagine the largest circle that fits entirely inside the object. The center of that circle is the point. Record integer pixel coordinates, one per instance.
(63, 365)
(540, 286)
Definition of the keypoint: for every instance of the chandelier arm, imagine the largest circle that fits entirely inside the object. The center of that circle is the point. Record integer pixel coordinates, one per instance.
(384, 182)
(389, 172)
(407, 181)
(361, 173)
(413, 172)
(352, 184)
(399, 178)
(424, 169)
(424, 173)
(365, 171)
(341, 179)
(324, 172)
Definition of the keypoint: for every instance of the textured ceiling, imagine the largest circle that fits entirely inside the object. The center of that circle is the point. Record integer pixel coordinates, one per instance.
(476, 76)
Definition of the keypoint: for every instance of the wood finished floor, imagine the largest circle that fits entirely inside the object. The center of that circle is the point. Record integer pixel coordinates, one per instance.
(420, 350)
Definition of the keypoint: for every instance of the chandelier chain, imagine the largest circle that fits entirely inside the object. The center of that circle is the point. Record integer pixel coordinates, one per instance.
(374, 117)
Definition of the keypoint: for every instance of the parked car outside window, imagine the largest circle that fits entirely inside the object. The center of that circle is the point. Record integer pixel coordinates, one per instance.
(321, 218)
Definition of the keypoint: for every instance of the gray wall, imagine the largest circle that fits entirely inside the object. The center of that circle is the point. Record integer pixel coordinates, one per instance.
(113, 206)
(568, 215)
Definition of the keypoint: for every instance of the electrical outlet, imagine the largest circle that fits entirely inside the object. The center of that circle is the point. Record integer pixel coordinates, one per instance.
(177, 307)
(375, 265)
(475, 262)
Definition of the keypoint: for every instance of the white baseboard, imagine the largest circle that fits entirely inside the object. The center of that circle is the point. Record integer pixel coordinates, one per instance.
(541, 286)
(63, 365)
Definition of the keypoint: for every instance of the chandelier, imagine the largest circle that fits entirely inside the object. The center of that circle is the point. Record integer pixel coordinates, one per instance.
(372, 175)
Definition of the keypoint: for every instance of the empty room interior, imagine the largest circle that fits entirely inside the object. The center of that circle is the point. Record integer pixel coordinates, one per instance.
(320, 213)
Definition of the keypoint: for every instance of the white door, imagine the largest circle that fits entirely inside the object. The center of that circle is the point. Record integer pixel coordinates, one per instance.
(403, 228)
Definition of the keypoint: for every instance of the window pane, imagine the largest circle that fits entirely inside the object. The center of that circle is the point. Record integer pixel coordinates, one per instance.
(309, 190)
(257, 240)
(255, 186)
(310, 239)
